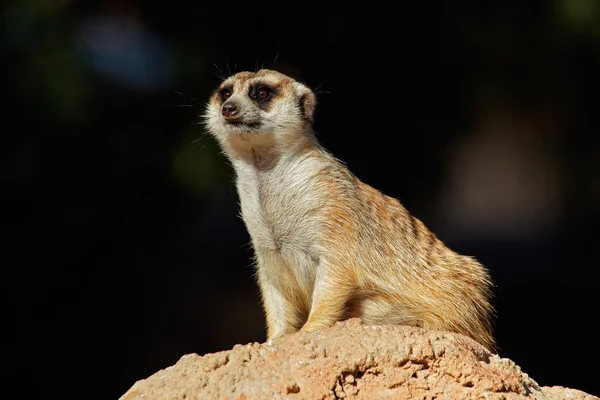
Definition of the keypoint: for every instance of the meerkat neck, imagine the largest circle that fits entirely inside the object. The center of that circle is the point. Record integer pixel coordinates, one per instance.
(267, 150)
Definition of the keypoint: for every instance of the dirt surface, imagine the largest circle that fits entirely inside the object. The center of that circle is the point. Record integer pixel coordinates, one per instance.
(349, 361)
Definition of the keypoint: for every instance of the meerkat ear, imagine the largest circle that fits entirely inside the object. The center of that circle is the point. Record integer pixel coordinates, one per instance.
(307, 102)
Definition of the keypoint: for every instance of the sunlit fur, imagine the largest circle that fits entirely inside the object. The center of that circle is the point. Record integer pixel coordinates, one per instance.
(328, 246)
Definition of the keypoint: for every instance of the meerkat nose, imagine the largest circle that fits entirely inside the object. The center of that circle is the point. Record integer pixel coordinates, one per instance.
(229, 109)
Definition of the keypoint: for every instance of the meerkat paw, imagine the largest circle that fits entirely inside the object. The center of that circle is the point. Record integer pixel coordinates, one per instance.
(315, 326)
(275, 335)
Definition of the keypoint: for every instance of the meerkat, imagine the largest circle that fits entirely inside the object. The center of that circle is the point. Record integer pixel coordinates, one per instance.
(327, 246)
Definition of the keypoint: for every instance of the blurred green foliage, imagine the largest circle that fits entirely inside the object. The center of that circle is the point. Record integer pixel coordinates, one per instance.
(46, 67)
(198, 164)
(581, 16)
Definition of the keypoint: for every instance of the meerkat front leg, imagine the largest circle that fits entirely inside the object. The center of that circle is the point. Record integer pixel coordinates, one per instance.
(281, 316)
(331, 295)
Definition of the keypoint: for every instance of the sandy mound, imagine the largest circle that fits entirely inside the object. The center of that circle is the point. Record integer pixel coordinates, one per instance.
(349, 361)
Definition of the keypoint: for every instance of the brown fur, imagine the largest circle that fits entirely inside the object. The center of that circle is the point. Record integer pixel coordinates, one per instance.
(330, 247)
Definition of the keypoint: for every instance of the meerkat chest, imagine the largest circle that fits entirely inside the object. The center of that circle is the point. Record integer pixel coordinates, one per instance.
(280, 209)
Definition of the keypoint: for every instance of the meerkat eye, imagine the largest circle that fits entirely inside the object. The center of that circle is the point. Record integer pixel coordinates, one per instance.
(263, 93)
(225, 93)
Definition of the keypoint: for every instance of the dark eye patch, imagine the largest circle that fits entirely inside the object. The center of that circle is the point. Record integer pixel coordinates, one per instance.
(262, 94)
(225, 93)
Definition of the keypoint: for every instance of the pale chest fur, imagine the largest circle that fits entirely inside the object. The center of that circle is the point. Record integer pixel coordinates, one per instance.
(280, 208)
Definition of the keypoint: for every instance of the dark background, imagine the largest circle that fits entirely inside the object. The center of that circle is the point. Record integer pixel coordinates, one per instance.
(124, 249)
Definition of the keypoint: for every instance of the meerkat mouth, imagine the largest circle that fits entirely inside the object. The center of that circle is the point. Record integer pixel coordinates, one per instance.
(250, 126)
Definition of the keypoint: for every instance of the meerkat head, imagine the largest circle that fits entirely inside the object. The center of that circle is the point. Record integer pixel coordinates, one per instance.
(249, 104)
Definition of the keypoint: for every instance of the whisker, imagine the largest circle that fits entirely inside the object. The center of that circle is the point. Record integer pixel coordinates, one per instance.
(195, 147)
(218, 69)
(195, 143)
(317, 91)
(184, 95)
